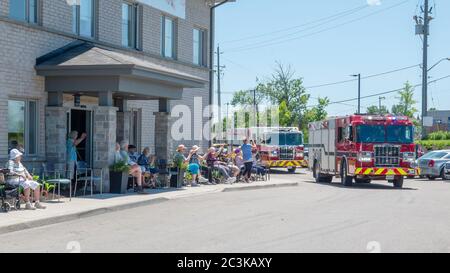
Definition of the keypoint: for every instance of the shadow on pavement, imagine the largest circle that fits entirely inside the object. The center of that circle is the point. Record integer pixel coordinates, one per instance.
(285, 172)
(107, 196)
(371, 186)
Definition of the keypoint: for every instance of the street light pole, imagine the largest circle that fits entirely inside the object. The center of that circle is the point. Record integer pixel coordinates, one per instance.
(359, 91)
(379, 104)
(212, 16)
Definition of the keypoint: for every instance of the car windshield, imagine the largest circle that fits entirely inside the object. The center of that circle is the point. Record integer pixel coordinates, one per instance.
(290, 139)
(438, 155)
(381, 134)
(428, 155)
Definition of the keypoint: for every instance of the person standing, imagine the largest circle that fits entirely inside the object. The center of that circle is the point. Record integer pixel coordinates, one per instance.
(194, 164)
(247, 155)
(72, 142)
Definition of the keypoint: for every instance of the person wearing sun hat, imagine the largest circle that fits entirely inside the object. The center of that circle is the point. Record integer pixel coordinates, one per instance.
(19, 177)
(194, 164)
(179, 157)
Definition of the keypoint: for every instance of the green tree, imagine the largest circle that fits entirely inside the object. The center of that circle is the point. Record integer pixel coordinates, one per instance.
(406, 105)
(249, 99)
(316, 113)
(285, 116)
(375, 110)
(283, 87)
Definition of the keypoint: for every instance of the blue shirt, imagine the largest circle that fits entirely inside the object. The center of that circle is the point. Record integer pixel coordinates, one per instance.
(247, 152)
(71, 150)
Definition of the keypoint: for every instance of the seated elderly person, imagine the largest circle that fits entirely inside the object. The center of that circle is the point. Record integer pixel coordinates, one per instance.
(213, 162)
(19, 177)
(132, 153)
(135, 170)
(147, 162)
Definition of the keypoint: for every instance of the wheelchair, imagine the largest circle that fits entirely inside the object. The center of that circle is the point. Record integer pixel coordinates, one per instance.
(9, 195)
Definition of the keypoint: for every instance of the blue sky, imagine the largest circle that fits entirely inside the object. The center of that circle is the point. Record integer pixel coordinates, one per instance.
(369, 45)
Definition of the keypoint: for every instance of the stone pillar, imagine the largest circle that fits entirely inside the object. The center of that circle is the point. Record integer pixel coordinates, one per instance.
(105, 124)
(123, 120)
(56, 136)
(163, 139)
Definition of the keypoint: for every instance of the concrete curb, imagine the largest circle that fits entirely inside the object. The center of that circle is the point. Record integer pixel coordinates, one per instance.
(78, 215)
(104, 210)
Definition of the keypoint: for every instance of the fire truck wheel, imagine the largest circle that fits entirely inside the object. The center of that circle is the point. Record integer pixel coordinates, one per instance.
(316, 172)
(345, 179)
(398, 183)
(292, 170)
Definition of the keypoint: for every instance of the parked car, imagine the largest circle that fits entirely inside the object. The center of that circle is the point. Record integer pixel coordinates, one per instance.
(447, 170)
(432, 164)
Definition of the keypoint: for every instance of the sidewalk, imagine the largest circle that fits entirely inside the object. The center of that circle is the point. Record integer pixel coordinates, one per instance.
(82, 207)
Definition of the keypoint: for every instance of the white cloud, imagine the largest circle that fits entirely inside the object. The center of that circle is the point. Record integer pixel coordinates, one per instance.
(374, 2)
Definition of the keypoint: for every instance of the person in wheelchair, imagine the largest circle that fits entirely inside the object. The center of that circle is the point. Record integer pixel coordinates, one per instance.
(18, 176)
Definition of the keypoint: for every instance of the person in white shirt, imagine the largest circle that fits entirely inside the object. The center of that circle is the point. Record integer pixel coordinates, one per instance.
(19, 177)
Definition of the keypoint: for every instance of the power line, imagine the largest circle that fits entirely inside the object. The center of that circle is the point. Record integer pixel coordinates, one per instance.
(383, 93)
(353, 80)
(325, 19)
(366, 77)
(255, 46)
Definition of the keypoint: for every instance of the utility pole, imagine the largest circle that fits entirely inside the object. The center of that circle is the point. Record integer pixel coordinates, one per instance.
(219, 92)
(426, 32)
(423, 28)
(227, 128)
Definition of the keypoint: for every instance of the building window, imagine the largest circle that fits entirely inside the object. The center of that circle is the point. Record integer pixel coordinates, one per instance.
(83, 18)
(23, 125)
(199, 47)
(130, 26)
(24, 10)
(168, 37)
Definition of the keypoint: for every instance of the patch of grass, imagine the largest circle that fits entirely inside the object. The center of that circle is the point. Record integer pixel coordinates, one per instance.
(435, 144)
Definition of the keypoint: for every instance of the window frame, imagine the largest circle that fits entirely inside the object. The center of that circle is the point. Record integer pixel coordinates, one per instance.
(27, 127)
(174, 52)
(76, 25)
(201, 51)
(27, 19)
(134, 30)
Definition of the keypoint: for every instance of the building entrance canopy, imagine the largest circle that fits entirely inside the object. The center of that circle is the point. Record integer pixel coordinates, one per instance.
(87, 69)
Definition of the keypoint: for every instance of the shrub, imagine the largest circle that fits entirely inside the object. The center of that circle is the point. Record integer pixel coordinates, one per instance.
(120, 166)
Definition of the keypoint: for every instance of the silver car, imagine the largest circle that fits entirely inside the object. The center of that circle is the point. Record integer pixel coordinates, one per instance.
(432, 164)
(447, 170)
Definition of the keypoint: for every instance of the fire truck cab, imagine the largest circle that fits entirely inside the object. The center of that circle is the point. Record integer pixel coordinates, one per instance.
(282, 148)
(362, 148)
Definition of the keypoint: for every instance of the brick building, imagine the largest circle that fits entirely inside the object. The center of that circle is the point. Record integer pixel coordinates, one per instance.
(111, 68)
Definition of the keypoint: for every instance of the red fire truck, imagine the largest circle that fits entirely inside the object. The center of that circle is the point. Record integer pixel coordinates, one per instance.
(362, 148)
(282, 148)
(278, 147)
